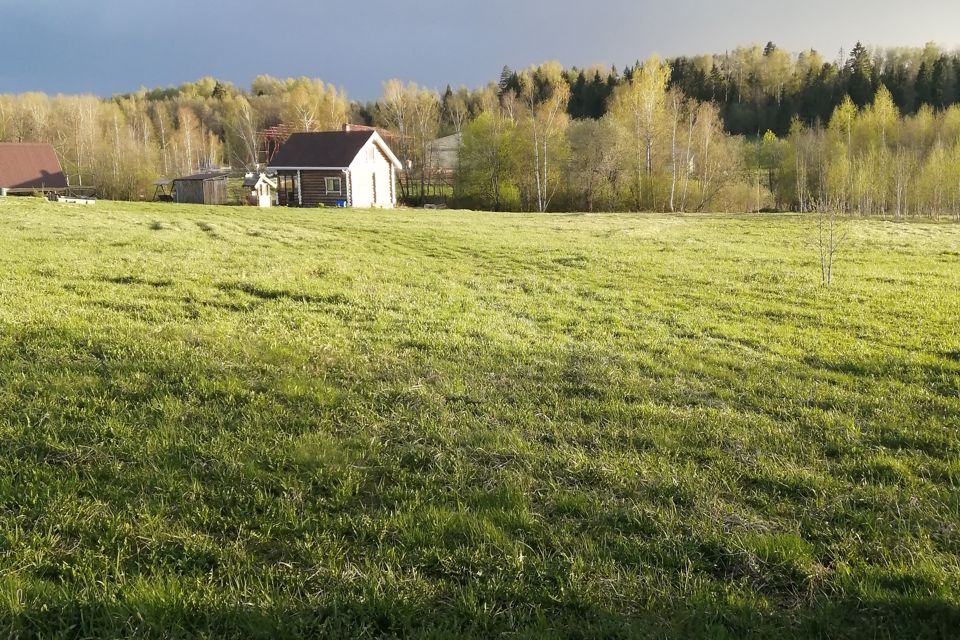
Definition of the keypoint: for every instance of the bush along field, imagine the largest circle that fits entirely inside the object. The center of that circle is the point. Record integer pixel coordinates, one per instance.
(222, 422)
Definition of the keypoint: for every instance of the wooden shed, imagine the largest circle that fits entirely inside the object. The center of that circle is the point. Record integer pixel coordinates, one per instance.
(201, 188)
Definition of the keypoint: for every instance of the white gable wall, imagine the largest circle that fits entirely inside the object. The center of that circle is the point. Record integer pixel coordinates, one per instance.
(372, 178)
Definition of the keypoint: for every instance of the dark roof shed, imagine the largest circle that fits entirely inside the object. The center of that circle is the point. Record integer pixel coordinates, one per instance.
(203, 177)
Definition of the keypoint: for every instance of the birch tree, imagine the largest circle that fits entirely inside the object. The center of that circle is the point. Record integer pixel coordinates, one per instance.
(638, 106)
(426, 127)
(488, 161)
(544, 97)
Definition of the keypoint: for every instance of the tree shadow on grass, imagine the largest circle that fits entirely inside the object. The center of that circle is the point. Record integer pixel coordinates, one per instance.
(137, 280)
(81, 486)
(163, 614)
(856, 619)
(268, 294)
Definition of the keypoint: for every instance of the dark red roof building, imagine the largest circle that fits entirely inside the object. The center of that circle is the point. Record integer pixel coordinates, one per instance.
(28, 167)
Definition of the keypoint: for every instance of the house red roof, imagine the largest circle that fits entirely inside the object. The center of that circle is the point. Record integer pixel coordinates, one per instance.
(30, 166)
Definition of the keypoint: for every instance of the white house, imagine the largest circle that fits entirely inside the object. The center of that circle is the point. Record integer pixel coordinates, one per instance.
(336, 169)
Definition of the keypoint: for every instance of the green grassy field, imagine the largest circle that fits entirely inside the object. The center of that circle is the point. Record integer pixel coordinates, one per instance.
(224, 422)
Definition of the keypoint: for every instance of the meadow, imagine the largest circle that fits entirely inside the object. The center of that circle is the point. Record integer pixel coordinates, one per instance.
(232, 423)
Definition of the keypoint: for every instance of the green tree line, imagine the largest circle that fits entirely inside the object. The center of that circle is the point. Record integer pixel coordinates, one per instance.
(123, 144)
(767, 88)
(873, 133)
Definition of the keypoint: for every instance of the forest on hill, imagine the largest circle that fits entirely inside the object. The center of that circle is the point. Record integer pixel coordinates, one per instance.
(767, 88)
(875, 132)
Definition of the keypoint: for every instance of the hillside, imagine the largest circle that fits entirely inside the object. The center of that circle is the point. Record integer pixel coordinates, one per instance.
(234, 423)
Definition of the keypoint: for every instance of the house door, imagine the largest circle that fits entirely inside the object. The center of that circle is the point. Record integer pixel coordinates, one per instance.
(288, 191)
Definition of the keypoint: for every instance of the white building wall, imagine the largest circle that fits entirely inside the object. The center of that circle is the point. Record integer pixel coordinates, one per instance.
(371, 177)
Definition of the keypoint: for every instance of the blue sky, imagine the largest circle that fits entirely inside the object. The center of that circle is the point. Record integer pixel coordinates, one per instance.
(111, 46)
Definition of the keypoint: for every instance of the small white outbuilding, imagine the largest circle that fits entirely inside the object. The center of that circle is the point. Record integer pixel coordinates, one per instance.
(260, 189)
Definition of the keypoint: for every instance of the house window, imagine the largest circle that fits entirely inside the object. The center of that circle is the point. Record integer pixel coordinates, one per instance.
(333, 185)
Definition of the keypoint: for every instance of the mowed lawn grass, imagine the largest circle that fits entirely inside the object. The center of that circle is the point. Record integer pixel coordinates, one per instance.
(224, 422)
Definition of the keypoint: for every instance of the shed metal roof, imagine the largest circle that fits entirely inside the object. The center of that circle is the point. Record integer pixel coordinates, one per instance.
(203, 177)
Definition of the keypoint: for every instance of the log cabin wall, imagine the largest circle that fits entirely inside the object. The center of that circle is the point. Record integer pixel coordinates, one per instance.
(313, 188)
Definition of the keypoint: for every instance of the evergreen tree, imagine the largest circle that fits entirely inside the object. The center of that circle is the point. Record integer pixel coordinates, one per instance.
(613, 81)
(938, 83)
(923, 86)
(509, 80)
(859, 76)
(716, 84)
(598, 95)
(578, 107)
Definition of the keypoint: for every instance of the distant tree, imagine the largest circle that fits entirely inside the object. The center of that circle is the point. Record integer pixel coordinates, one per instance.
(677, 105)
(593, 147)
(840, 158)
(859, 76)
(770, 159)
(939, 79)
(241, 135)
(311, 105)
(544, 95)
(578, 93)
(413, 114)
(75, 133)
(509, 81)
(488, 159)
(794, 185)
(638, 106)
(923, 86)
(456, 109)
(715, 162)
(830, 235)
(426, 127)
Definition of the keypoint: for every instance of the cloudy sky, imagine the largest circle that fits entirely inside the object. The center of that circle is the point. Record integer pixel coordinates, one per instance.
(112, 46)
